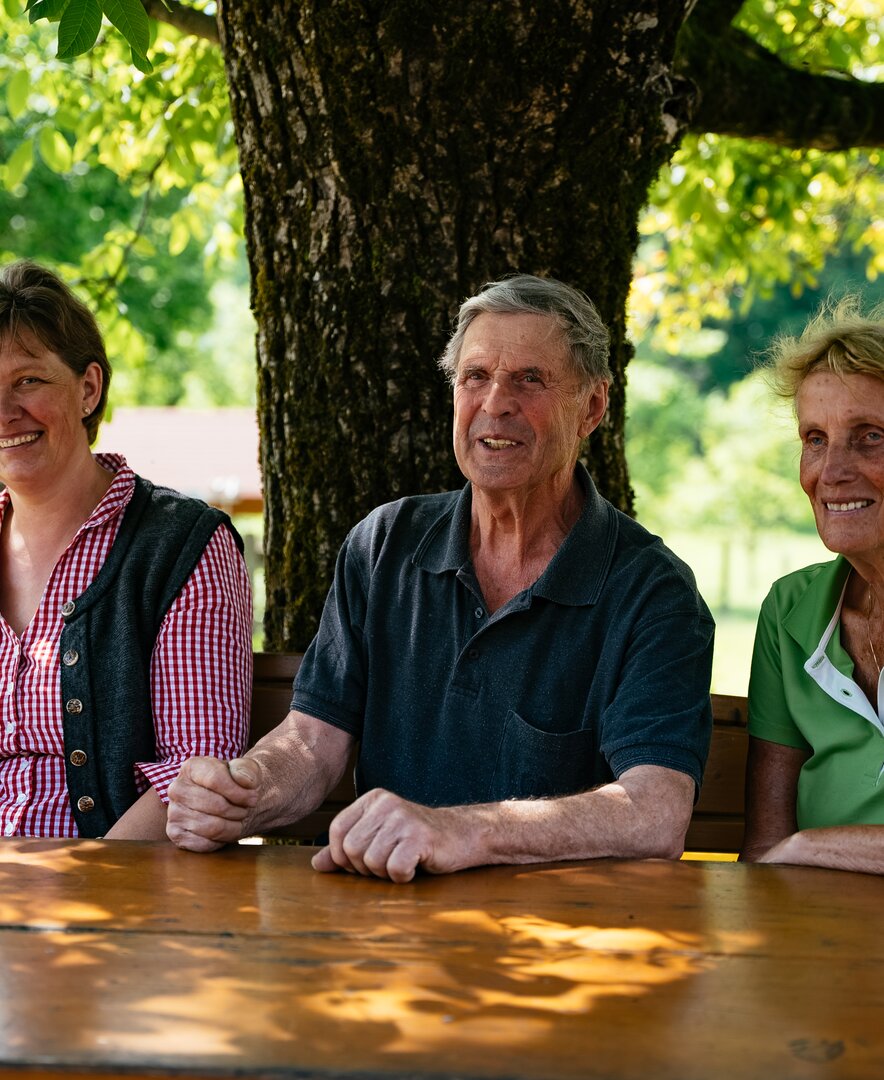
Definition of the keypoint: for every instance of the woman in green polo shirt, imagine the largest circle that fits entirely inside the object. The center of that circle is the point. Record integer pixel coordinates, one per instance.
(815, 789)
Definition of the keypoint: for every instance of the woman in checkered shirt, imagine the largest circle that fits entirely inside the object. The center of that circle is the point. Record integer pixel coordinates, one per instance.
(125, 609)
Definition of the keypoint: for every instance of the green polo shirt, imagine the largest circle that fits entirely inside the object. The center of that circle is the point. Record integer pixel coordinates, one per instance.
(802, 694)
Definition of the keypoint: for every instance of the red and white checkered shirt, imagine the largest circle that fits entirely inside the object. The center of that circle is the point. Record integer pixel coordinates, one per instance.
(200, 671)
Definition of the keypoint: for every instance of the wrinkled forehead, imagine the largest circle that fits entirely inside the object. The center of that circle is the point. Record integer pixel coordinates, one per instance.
(517, 339)
(829, 393)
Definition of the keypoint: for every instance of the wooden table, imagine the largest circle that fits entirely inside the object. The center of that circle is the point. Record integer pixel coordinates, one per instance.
(124, 959)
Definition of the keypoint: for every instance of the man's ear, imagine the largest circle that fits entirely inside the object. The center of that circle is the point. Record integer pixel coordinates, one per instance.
(595, 408)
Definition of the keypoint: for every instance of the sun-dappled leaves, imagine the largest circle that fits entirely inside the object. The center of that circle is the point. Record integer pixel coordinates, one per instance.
(731, 220)
(822, 36)
(129, 186)
(79, 24)
(54, 149)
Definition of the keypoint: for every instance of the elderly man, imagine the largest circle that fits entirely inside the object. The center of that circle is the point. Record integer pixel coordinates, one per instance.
(525, 669)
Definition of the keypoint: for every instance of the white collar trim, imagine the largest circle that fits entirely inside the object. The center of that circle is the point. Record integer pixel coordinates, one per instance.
(839, 687)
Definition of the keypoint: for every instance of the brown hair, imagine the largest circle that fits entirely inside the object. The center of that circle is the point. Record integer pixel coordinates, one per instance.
(839, 338)
(36, 304)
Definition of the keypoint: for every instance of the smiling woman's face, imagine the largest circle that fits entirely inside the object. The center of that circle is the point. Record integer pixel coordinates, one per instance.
(841, 426)
(42, 406)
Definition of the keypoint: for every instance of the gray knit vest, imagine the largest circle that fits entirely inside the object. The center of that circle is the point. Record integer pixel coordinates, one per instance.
(106, 646)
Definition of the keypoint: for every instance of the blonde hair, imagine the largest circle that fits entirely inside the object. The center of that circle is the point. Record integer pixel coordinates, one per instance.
(839, 338)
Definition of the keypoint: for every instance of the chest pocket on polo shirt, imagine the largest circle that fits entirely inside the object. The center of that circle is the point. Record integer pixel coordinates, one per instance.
(534, 763)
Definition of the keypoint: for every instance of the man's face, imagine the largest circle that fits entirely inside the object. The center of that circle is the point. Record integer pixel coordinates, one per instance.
(519, 408)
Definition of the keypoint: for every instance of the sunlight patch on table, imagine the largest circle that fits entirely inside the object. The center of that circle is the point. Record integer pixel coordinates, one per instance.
(193, 1022)
(545, 972)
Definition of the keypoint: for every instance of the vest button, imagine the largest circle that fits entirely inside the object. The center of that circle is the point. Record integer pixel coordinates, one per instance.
(74, 705)
(68, 607)
(70, 658)
(78, 757)
(85, 804)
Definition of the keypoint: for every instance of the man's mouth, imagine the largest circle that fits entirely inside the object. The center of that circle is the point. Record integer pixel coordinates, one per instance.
(498, 444)
(19, 440)
(843, 507)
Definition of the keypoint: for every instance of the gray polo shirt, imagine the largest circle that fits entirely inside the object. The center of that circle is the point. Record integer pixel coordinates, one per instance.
(602, 664)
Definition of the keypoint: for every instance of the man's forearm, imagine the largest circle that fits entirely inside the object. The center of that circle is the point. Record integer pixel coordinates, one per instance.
(301, 761)
(643, 815)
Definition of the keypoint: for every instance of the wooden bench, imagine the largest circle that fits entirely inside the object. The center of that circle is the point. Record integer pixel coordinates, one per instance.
(717, 823)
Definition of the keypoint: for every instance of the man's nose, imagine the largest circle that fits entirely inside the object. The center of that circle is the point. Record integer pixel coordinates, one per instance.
(500, 398)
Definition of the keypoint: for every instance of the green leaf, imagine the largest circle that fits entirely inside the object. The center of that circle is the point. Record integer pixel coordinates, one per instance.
(130, 18)
(17, 90)
(78, 28)
(19, 164)
(54, 150)
(65, 119)
(12, 7)
(46, 9)
(142, 63)
(179, 237)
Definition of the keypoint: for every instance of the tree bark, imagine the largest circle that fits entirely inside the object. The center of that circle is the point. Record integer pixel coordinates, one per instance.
(396, 155)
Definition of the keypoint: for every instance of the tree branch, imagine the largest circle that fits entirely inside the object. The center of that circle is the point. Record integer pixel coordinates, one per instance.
(183, 18)
(748, 92)
(715, 15)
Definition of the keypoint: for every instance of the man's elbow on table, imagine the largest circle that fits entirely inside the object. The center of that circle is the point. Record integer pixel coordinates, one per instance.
(651, 810)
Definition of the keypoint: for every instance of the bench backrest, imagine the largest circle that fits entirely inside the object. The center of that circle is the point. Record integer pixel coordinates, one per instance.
(717, 823)
(719, 816)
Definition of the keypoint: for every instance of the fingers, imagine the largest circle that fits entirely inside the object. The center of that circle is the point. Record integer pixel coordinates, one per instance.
(245, 772)
(234, 781)
(191, 841)
(379, 835)
(323, 862)
(210, 800)
(398, 865)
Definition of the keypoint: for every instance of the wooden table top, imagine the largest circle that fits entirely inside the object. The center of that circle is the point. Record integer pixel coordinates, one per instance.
(127, 959)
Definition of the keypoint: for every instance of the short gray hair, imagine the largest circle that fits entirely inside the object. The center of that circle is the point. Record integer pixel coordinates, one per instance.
(839, 338)
(524, 294)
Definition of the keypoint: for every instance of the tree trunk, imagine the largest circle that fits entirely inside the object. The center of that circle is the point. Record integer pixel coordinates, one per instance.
(395, 156)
